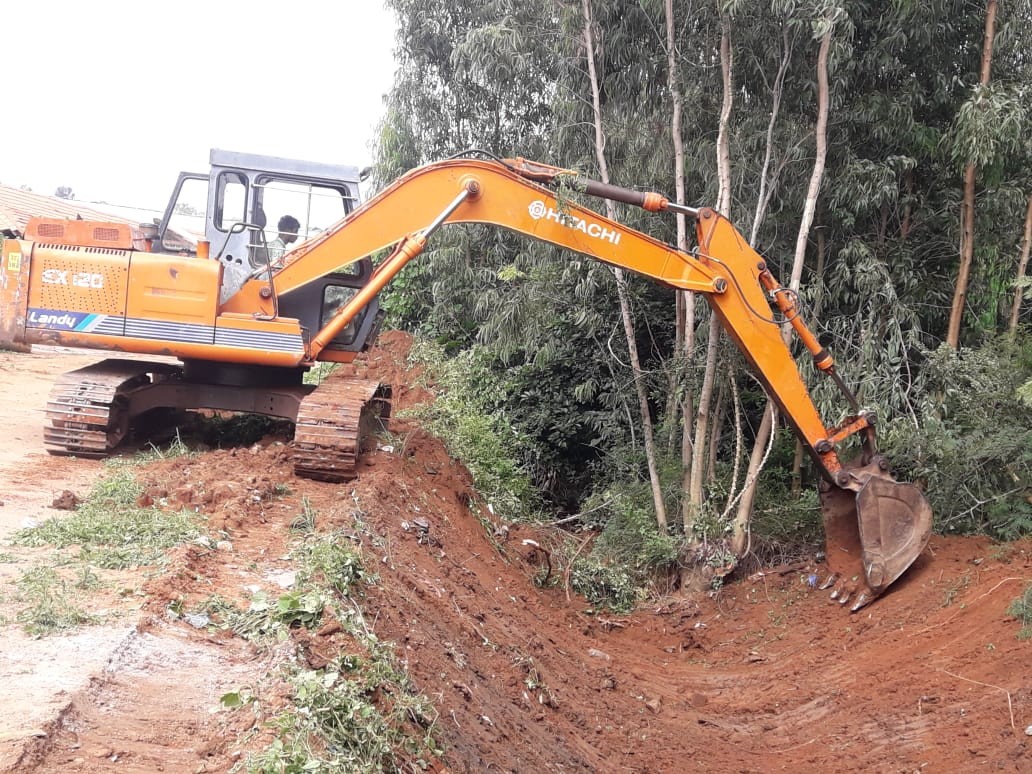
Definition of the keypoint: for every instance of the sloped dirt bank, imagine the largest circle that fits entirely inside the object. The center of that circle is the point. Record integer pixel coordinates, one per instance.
(765, 676)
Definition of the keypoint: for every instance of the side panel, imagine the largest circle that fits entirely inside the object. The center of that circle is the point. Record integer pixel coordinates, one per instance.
(243, 333)
(78, 289)
(15, 263)
(172, 298)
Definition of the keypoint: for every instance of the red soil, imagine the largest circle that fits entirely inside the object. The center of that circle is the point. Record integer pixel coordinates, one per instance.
(766, 675)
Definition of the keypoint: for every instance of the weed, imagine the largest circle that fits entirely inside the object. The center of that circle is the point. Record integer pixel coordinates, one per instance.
(606, 586)
(48, 607)
(318, 373)
(8, 558)
(266, 618)
(954, 589)
(304, 521)
(176, 448)
(336, 726)
(360, 713)
(1002, 552)
(86, 578)
(238, 698)
(328, 561)
(1021, 608)
(111, 530)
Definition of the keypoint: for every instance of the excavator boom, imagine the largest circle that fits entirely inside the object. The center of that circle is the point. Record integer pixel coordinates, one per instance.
(875, 527)
(186, 306)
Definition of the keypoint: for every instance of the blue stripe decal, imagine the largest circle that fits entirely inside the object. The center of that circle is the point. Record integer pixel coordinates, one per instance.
(85, 324)
(161, 330)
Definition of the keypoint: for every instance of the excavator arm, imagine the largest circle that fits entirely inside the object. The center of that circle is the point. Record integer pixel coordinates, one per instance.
(878, 524)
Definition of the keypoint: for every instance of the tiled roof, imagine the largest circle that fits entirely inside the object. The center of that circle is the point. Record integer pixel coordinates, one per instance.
(17, 206)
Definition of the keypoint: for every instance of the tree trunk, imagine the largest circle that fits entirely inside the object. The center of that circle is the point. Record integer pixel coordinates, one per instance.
(967, 255)
(797, 470)
(723, 143)
(767, 188)
(716, 434)
(740, 525)
(695, 478)
(821, 132)
(967, 207)
(621, 282)
(1019, 292)
(681, 301)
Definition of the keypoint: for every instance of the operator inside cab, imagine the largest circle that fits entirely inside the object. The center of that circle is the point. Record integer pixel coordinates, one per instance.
(288, 227)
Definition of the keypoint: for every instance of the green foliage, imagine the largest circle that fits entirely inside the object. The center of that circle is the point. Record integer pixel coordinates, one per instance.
(992, 122)
(629, 552)
(485, 443)
(360, 712)
(1021, 608)
(338, 723)
(328, 567)
(630, 537)
(972, 445)
(317, 373)
(111, 530)
(266, 618)
(48, 608)
(606, 585)
(537, 330)
(328, 560)
(786, 522)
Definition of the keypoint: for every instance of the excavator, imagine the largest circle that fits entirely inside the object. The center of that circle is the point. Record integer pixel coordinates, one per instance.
(243, 326)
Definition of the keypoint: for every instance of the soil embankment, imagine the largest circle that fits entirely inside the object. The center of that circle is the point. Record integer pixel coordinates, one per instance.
(765, 676)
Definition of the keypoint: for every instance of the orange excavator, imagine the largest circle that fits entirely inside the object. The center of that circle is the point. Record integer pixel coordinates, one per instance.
(246, 323)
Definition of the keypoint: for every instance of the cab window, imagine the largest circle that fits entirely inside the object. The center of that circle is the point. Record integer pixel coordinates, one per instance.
(334, 297)
(230, 200)
(186, 222)
(316, 206)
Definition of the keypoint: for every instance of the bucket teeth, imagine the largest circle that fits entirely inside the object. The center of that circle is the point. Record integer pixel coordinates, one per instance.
(861, 601)
(874, 528)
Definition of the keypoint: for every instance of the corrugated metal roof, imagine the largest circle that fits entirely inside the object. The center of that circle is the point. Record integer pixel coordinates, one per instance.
(17, 206)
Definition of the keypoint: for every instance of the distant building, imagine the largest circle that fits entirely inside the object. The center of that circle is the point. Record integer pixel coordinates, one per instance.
(17, 206)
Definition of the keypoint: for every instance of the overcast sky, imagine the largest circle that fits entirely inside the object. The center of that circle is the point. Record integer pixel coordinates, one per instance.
(115, 98)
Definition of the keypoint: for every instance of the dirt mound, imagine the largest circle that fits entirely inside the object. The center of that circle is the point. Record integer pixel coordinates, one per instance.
(766, 675)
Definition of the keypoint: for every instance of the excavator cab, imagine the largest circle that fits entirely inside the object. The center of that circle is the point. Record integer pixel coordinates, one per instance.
(236, 207)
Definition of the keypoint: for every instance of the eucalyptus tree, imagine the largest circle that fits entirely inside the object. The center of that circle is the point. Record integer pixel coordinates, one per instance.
(874, 257)
(645, 415)
(1020, 284)
(971, 155)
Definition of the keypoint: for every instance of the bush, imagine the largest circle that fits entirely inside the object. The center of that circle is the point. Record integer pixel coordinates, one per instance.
(1021, 608)
(485, 443)
(972, 445)
(631, 536)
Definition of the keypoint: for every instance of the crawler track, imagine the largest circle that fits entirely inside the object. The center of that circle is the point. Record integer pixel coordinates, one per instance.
(87, 412)
(333, 423)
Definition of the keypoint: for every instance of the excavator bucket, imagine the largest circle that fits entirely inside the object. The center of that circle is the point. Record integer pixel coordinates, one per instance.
(872, 535)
